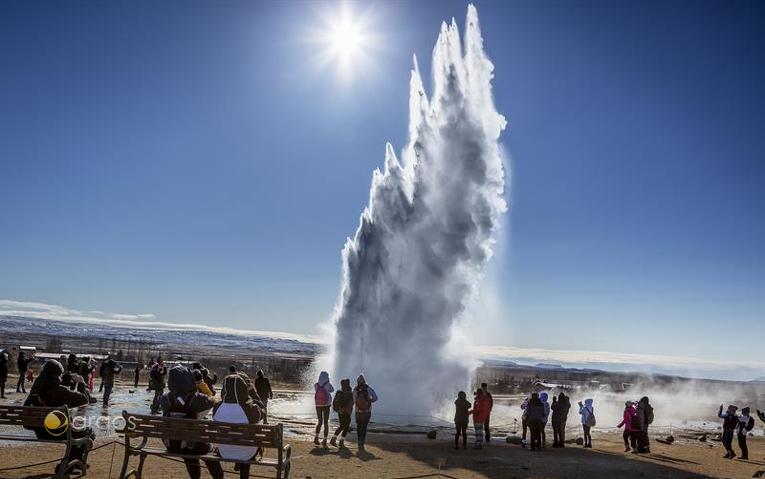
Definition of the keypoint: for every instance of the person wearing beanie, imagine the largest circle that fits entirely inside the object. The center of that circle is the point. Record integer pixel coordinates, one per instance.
(185, 401)
(629, 438)
(363, 397)
(461, 419)
(745, 424)
(342, 404)
(730, 423)
(48, 391)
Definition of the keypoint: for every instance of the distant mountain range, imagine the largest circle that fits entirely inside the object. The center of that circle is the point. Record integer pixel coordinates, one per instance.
(39, 318)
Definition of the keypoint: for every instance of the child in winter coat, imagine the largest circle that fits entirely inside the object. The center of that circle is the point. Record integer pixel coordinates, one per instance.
(323, 390)
(588, 420)
(461, 419)
(628, 436)
(481, 410)
(730, 423)
(745, 424)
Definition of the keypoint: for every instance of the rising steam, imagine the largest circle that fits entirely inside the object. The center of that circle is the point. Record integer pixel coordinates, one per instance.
(418, 254)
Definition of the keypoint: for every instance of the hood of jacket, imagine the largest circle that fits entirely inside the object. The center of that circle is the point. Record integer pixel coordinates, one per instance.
(323, 378)
(180, 381)
(543, 397)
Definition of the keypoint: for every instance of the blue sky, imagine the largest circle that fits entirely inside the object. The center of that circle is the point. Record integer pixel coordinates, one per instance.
(195, 160)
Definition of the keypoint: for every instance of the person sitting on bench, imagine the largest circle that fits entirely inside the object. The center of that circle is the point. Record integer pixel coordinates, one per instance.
(183, 400)
(48, 391)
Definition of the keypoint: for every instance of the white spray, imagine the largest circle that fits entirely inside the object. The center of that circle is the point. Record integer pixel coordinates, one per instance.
(418, 254)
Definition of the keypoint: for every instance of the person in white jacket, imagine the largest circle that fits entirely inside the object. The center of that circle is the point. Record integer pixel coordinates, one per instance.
(323, 390)
(588, 420)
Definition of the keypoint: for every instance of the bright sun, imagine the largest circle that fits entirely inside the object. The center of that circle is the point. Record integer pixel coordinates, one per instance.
(345, 38)
(346, 41)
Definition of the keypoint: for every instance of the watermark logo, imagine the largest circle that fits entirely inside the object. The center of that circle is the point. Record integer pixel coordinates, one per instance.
(56, 423)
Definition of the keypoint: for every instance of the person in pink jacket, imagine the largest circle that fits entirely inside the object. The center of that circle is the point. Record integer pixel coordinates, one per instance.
(480, 412)
(628, 435)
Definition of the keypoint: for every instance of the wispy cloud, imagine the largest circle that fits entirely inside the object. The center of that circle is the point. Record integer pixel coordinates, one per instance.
(51, 312)
(616, 361)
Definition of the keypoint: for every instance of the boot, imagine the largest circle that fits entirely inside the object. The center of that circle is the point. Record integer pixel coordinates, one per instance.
(342, 443)
(324, 442)
(316, 439)
(333, 441)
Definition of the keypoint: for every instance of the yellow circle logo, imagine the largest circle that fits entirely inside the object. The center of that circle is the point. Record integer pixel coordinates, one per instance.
(56, 423)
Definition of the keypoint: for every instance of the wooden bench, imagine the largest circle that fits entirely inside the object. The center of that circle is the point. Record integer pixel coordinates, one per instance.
(28, 416)
(211, 432)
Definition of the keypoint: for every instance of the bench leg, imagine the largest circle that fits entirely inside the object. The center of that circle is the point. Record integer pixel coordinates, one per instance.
(125, 464)
(139, 471)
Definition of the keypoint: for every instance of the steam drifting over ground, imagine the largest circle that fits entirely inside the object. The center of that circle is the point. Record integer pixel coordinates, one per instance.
(422, 243)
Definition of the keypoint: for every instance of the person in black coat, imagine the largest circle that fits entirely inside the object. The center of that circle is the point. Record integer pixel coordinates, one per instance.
(461, 419)
(48, 391)
(560, 408)
(183, 400)
(263, 387)
(3, 372)
(22, 362)
(730, 423)
(535, 413)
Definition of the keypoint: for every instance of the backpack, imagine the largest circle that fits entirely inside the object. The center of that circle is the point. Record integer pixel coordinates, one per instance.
(336, 401)
(750, 424)
(648, 414)
(321, 396)
(635, 423)
(590, 421)
(363, 401)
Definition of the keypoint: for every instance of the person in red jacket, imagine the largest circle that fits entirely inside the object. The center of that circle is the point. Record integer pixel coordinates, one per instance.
(480, 412)
(628, 435)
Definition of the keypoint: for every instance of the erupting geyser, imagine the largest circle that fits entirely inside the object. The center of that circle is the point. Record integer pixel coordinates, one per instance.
(422, 243)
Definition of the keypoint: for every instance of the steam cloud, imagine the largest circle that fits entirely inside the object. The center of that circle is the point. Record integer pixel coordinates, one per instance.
(422, 243)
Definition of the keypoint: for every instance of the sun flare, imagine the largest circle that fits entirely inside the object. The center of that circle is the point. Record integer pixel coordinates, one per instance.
(345, 38)
(346, 41)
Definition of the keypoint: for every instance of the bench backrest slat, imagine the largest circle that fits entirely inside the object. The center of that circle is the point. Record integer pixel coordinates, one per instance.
(28, 416)
(180, 429)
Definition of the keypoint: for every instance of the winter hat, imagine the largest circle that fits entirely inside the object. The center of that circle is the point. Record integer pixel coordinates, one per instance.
(745, 411)
(181, 381)
(345, 384)
(197, 375)
(52, 368)
(259, 373)
(627, 403)
(543, 397)
(461, 395)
